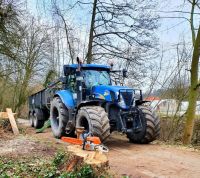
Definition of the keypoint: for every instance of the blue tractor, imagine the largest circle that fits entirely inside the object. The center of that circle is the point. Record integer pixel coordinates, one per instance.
(85, 97)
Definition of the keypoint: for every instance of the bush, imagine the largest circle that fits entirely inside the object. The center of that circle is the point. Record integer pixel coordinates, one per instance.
(172, 130)
(196, 133)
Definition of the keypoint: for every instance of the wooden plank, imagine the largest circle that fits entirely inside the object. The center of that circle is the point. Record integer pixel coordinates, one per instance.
(3, 115)
(12, 121)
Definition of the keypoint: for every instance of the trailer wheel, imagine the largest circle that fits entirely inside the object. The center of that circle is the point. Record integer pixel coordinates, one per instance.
(38, 119)
(151, 127)
(31, 119)
(59, 117)
(95, 120)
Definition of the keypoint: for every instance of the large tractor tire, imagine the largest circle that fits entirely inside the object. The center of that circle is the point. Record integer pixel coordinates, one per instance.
(38, 118)
(95, 120)
(150, 127)
(59, 117)
(31, 118)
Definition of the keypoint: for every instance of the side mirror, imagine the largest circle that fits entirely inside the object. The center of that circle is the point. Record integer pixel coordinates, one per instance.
(124, 71)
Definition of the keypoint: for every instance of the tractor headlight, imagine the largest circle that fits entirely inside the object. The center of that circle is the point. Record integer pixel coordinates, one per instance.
(121, 101)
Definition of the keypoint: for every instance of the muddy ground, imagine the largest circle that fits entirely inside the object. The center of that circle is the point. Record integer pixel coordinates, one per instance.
(133, 160)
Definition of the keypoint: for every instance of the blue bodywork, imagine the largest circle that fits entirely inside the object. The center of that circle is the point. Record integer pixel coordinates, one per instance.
(67, 98)
(94, 66)
(108, 93)
(103, 91)
(111, 93)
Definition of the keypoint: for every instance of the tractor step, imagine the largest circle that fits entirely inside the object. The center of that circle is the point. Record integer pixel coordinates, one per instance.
(137, 129)
(134, 130)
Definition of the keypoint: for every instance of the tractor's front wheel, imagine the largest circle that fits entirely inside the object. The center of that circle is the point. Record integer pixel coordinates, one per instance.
(150, 127)
(58, 117)
(95, 120)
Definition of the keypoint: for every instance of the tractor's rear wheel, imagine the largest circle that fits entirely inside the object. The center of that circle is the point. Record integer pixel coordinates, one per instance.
(150, 127)
(95, 120)
(59, 117)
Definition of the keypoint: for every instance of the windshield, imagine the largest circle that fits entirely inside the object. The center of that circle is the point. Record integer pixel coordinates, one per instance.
(94, 77)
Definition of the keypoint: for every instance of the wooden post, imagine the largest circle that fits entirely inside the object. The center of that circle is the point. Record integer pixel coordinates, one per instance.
(4, 115)
(9, 114)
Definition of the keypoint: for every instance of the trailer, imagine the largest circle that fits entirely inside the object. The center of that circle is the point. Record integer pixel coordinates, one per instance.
(39, 107)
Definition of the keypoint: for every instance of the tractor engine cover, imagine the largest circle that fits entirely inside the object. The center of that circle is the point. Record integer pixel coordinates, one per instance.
(123, 96)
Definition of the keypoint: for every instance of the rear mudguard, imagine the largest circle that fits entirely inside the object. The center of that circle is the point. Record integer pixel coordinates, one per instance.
(66, 97)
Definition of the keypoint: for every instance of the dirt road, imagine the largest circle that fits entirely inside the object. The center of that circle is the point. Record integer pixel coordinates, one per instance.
(152, 160)
(142, 161)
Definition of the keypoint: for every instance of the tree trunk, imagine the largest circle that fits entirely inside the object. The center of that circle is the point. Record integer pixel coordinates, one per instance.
(23, 93)
(91, 37)
(193, 93)
(68, 40)
(192, 22)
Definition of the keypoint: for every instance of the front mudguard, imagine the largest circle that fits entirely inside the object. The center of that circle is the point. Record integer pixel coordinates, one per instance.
(67, 98)
(69, 102)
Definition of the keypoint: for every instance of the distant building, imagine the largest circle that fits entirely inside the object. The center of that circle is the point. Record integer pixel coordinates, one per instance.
(169, 107)
(152, 98)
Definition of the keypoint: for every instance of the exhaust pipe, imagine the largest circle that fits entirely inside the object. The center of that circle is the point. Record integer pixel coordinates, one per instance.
(79, 80)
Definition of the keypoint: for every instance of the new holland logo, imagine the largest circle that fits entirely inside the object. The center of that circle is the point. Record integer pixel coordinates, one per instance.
(100, 96)
(106, 93)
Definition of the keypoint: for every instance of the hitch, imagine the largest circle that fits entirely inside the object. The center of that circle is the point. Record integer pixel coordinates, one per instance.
(122, 122)
(133, 116)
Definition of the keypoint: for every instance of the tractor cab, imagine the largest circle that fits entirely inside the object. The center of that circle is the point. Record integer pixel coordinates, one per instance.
(91, 74)
(96, 84)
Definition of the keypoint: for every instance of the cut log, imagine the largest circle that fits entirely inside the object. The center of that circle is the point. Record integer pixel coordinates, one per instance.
(77, 160)
(12, 121)
(94, 158)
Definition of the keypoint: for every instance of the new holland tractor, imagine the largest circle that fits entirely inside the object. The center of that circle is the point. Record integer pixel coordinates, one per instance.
(85, 97)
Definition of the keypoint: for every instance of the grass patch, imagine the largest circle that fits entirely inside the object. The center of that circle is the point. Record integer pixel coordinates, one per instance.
(11, 167)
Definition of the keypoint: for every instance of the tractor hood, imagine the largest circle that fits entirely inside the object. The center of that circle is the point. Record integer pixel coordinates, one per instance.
(108, 92)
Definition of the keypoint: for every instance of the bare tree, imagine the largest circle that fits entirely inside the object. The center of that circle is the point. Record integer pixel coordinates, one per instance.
(9, 24)
(9, 14)
(194, 81)
(31, 59)
(120, 30)
(35, 53)
(69, 36)
(120, 26)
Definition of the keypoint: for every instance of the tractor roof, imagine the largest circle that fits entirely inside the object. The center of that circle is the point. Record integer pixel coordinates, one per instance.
(89, 66)
(68, 68)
